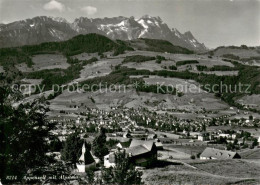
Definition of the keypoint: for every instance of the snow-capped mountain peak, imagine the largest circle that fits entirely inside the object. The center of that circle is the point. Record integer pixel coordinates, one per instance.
(45, 29)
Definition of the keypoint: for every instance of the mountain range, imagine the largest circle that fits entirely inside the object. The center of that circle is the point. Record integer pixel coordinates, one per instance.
(47, 29)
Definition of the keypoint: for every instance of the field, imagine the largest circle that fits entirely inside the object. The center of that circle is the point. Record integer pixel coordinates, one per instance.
(45, 61)
(185, 86)
(97, 69)
(232, 168)
(253, 154)
(188, 148)
(32, 81)
(105, 99)
(150, 65)
(172, 155)
(85, 56)
(193, 98)
(252, 101)
(102, 100)
(242, 53)
(171, 59)
(30, 85)
(218, 73)
(207, 172)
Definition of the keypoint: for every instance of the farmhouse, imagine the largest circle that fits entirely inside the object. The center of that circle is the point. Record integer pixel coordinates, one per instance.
(141, 153)
(212, 153)
(109, 160)
(203, 137)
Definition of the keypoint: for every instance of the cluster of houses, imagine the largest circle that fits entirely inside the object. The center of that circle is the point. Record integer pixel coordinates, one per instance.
(141, 148)
(136, 132)
(125, 119)
(238, 137)
(141, 153)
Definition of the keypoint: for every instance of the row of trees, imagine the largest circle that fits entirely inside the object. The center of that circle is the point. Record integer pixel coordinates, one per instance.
(185, 62)
(215, 68)
(138, 58)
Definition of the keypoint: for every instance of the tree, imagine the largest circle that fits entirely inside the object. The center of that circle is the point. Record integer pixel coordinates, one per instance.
(23, 134)
(55, 145)
(107, 175)
(90, 176)
(192, 157)
(99, 145)
(221, 140)
(123, 172)
(204, 128)
(255, 143)
(72, 148)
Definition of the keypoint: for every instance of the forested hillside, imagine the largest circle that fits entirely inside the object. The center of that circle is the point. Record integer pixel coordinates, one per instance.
(89, 43)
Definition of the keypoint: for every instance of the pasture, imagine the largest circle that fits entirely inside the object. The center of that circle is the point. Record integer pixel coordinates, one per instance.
(98, 69)
(45, 61)
(218, 73)
(242, 53)
(211, 172)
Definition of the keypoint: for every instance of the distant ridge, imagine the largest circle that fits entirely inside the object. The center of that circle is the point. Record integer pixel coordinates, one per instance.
(47, 29)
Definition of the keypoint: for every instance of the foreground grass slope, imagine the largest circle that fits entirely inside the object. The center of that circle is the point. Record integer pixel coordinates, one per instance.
(211, 172)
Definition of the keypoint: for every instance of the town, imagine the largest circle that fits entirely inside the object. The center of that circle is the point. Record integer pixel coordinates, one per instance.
(149, 139)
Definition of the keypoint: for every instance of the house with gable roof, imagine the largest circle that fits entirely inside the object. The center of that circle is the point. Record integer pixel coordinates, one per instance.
(213, 153)
(140, 152)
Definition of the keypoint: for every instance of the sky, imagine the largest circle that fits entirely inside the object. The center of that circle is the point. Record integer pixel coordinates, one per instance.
(213, 22)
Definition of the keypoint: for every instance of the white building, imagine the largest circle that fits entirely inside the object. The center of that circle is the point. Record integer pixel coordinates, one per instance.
(109, 160)
(86, 160)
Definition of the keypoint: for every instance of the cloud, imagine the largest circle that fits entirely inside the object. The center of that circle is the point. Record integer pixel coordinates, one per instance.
(90, 10)
(54, 5)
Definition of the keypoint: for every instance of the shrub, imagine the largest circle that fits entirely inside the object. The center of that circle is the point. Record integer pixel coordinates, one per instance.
(172, 67)
(201, 68)
(185, 62)
(138, 58)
